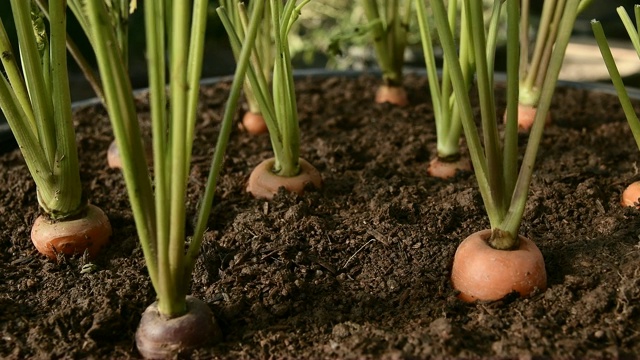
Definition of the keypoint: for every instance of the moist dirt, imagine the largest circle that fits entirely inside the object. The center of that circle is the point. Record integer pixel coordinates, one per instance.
(359, 269)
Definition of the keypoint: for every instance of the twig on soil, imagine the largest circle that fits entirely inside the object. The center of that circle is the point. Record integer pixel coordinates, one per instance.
(356, 253)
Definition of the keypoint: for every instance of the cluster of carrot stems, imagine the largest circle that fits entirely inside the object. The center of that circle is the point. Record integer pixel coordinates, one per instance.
(503, 188)
(158, 198)
(389, 27)
(277, 102)
(263, 51)
(37, 105)
(533, 69)
(634, 35)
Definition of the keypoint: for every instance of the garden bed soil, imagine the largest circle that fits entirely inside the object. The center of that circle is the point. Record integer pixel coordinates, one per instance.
(359, 269)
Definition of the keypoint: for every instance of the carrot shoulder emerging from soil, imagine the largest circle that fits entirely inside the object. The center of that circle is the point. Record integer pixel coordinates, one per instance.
(483, 273)
(253, 123)
(159, 337)
(526, 115)
(446, 169)
(72, 237)
(631, 195)
(114, 159)
(264, 183)
(395, 95)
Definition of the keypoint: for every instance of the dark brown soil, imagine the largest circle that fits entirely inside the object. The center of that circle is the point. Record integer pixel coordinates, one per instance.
(359, 269)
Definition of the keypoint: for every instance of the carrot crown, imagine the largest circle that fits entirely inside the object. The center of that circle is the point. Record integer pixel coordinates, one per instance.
(278, 104)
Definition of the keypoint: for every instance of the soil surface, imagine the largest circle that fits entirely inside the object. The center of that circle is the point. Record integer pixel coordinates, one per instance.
(359, 269)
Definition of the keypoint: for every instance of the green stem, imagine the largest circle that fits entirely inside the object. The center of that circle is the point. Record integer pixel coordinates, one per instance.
(261, 90)
(431, 67)
(541, 39)
(629, 26)
(66, 169)
(381, 38)
(511, 222)
(16, 81)
(524, 40)
(548, 46)
(223, 139)
(127, 132)
(27, 140)
(487, 110)
(75, 52)
(178, 48)
(510, 153)
(122, 30)
(464, 104)
(625, 101)
(154, 17)
(35, 81)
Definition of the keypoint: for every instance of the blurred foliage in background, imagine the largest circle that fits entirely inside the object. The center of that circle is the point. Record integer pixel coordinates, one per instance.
(333, 34)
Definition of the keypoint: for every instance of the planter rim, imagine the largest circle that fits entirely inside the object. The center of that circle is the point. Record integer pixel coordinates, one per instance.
(7, 142)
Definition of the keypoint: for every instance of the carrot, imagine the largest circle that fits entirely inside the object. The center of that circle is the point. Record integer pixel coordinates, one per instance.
(388, 27)
(158, 337)
(483, 273)
(445, 169)
(491, 264)
(631, 195)
(264, 183)
(88, 233)
(113, 154)
(526, 114)
(395, 95)
(253, 123)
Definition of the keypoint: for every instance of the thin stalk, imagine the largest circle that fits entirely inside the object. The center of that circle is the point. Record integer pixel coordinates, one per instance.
(178, 51)
(27, 140)
(278, 106)
(36, 84)
(446, 113)
(85, 67)
(388, 46)
(492, 36)
(542, 37)
(284, 93)
(262, 59)
(125, 126)
(194, 70)
(616, 79)
(524, 39)
(154, 17)
(464, 104)
(548, 46)
(379, 37)
(513, 218)
(510, 154)
(16, 81)
(487, 109)
(66, 169)
(629, 26)
(122, 29)
(261, 90)
(223, 137)
(636, 10)
(430, 62)
(263, 52)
